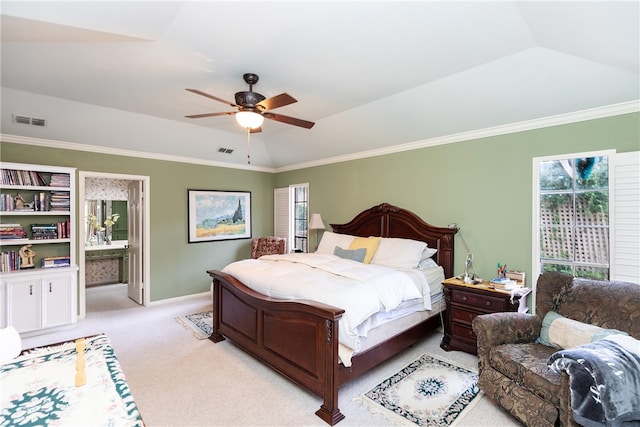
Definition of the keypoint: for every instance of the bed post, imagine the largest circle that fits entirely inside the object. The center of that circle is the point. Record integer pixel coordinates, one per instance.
(329, 411)
(216, 336)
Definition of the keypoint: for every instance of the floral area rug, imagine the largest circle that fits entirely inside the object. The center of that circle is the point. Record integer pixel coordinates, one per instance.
(201, 324)
(428, 392)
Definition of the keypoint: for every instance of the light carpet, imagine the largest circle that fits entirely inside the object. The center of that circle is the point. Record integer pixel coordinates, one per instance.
(427, 392)
(178, 380)
(201, 324)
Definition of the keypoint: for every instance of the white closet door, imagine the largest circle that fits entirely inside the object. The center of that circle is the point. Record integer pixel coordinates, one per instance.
(625, 265)
(282, 206)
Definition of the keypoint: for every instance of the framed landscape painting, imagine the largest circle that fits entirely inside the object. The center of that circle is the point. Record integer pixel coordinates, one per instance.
(219, 215)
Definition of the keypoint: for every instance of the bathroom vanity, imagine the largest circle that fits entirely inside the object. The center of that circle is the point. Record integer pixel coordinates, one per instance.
(106, 264)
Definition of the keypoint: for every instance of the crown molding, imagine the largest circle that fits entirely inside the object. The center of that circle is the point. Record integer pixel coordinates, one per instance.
(560, 119)
(50, 143)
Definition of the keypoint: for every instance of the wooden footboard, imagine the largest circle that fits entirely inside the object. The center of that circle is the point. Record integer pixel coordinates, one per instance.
(298, 339)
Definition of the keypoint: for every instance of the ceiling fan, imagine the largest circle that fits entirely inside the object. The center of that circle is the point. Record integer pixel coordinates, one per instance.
(253, 108)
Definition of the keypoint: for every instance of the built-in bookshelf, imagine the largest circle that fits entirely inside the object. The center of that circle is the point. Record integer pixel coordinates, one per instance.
(38, 264)
(36, 209)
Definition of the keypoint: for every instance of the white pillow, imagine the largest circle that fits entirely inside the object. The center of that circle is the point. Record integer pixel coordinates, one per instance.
(427, 263)
(399, 253)
(330, 240)
(426, 257)
(10, 344)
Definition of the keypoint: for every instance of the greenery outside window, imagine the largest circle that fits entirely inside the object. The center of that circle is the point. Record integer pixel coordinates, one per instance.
(300, 217)
(571, 195)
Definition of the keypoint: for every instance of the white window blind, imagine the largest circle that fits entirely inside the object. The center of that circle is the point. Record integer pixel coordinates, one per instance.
(625, 263)
(281, 215)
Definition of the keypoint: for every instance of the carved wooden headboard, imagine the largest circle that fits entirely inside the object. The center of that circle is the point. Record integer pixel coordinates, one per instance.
(386, 220)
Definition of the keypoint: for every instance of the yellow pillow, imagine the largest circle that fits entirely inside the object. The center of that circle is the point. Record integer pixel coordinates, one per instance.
(369, 243)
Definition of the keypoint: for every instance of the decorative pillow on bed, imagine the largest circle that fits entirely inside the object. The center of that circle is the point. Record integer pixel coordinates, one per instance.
(352, 254)
(330, 240)
(399, 253)
(428, 263)
(426, 256)
(561, 332)
(369, 243)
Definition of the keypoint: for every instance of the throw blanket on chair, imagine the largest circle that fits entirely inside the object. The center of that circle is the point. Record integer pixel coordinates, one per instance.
(604, 378)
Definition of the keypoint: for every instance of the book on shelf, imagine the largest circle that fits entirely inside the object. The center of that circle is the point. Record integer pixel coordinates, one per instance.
(44, 231)
(60, 180)
(12, 232)
(9, 261)
(23, 177)
(56, 261)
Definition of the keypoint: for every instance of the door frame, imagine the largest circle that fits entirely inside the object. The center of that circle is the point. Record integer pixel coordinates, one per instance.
(146, 246)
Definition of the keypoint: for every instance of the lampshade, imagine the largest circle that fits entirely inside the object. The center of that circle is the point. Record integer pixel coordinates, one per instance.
(316, 222)
(249, 119)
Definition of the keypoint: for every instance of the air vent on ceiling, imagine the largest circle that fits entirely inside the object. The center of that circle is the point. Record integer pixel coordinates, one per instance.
(24, 120)
(225, 150)
(38, 122)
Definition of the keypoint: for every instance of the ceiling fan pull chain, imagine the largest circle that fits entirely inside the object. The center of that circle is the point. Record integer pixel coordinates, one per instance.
(248, 146)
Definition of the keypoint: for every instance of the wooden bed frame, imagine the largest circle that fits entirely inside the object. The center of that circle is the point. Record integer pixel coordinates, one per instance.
(299, 339)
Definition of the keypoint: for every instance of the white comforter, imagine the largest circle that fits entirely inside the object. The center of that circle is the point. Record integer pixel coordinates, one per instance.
(360, 289)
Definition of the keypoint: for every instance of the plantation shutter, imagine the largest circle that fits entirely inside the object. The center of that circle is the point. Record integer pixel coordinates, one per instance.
(281, 215)
(625, 265)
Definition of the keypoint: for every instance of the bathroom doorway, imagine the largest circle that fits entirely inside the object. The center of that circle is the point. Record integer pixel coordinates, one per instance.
(113, 241)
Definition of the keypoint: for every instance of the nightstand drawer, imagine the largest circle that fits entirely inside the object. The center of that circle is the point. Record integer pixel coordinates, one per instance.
(481, 302)
(463, 316)
(463, 332)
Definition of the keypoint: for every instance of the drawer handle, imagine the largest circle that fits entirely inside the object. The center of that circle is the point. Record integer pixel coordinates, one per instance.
(487, 303)
(464, 297)
(30, 289)
(50, 287)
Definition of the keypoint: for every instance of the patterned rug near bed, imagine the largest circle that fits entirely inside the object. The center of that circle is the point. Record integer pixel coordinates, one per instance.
(201, 324)
(428, 392)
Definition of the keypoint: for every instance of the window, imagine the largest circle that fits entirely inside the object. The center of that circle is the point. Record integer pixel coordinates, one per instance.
(571, 228)
(300, 205)
(291, 216)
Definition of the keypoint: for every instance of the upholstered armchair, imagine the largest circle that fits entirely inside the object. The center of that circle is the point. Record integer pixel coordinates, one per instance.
(269, 245)
(513, 361)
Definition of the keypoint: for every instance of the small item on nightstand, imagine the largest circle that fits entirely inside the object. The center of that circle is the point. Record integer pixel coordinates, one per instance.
(471, 280)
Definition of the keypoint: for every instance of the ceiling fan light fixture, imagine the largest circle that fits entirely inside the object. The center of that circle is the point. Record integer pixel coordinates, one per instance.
(249, 119)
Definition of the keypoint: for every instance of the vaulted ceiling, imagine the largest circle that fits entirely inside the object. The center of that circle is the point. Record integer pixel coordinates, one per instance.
(374, 76)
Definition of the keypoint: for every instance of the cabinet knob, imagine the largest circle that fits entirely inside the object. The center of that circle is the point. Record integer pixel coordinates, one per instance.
(487, 303)
(464, 297)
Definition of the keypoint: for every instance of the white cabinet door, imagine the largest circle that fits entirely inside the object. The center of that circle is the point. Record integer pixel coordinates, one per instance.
(58, 300)
(23, 303)
(39, 300)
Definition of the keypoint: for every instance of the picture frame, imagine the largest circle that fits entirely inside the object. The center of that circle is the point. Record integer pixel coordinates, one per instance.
(218, 215)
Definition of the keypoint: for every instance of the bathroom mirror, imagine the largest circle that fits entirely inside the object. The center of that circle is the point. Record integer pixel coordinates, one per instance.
(101, 209)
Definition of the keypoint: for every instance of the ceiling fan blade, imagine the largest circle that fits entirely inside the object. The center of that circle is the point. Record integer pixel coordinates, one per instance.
(276, 101)
(199, 116)
(289, 120)
(199, 92)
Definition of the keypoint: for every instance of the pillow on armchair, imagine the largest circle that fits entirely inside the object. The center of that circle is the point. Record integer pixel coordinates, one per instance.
(561, 332)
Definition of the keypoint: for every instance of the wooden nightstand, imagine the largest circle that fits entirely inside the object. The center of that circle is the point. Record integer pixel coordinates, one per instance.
(465, 302)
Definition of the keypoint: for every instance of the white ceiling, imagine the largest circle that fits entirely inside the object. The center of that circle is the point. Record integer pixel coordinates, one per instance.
(372, 75)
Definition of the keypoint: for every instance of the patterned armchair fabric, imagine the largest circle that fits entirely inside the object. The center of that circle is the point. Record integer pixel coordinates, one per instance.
(513, 367)
(270, 245)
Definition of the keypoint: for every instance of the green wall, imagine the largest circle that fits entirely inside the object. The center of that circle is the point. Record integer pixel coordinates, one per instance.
(484, 185)
(177, 268)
